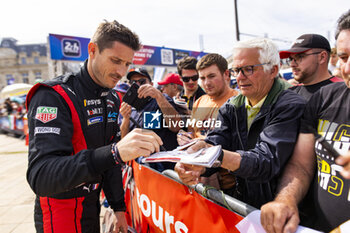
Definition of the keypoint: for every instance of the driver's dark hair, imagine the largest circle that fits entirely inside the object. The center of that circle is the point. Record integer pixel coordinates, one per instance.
(109, 32)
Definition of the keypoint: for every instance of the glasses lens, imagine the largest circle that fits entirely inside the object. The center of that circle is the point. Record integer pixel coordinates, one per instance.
(194, 78)
(296, 59)
(288, 61)
(140, 81)
(248, 70)
(185, 79)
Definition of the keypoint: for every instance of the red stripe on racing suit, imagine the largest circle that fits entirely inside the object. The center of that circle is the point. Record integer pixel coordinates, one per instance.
(63, 215)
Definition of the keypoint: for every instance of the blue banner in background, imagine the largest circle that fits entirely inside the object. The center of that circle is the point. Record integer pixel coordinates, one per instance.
(76, 49)
(161, 56)
(69, 48)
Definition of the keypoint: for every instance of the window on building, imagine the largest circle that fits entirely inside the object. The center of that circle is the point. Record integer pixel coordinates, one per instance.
(36, 60)
(38, 75)
(23, 61)
(25, 78)
(5, 44)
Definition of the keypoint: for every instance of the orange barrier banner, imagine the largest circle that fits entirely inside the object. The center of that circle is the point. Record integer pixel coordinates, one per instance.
(156, 203)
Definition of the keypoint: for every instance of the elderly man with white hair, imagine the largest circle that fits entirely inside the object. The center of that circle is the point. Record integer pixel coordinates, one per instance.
(259, 127)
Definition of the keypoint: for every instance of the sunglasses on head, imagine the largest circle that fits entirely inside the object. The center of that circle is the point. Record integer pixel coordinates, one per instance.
(187, 79)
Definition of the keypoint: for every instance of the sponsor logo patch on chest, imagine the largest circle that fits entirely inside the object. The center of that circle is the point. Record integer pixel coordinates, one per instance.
(110, 103)
(46, 114)
(95, 120)
(94, 111)
(112, 116)
(93, 102)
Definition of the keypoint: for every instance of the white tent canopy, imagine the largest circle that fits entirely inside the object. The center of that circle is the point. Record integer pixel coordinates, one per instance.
(16, 89)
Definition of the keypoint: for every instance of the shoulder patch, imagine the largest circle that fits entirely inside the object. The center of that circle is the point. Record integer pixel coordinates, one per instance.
(46, 114)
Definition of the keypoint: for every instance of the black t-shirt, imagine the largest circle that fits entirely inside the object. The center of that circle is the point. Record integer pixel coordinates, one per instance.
(328, 113)
(308, 91)
(306, 208)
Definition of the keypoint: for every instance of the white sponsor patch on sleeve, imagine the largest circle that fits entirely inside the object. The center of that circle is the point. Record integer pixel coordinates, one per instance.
(42, 130)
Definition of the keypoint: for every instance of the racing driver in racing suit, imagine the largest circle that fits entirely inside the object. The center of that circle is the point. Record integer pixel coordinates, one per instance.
(74, 150)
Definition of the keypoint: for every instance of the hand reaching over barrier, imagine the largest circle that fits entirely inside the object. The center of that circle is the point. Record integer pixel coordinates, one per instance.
(189, 174)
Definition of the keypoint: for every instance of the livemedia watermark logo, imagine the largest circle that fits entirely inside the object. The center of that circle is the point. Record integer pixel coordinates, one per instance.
(155, 120)
(152, 120)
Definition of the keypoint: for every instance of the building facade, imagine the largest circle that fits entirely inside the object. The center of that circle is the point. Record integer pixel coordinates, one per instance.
(22, 63)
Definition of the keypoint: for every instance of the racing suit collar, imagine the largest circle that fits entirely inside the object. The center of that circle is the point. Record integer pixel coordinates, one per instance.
(88, 82)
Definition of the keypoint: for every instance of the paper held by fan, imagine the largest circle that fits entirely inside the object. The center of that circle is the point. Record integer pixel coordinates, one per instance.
(206, 157)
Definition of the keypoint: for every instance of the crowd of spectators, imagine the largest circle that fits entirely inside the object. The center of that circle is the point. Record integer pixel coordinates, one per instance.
(15, 107)
(263, 148)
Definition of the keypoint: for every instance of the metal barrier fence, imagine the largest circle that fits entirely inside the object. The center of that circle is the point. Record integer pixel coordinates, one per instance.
(215, 195)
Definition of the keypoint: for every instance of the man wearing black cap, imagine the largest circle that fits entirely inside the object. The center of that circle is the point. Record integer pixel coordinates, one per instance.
(159, 102)
(308, 58)
(327, 113)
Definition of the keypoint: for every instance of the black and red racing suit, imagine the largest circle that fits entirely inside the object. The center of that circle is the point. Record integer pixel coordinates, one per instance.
(72, 122)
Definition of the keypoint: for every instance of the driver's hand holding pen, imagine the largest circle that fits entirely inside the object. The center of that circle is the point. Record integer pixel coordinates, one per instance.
(184, 137)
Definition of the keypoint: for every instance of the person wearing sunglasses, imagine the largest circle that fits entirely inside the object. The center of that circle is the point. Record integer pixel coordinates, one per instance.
(308, 57)
(189, 76)
(158, 102)
(214, 74)
(259, 127)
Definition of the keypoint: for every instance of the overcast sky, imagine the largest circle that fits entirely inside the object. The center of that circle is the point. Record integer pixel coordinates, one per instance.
(175, 23)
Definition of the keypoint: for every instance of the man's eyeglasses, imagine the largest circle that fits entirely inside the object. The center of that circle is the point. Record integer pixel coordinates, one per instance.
(140, 82)
(187, 79)
(298, 58)
(246, 70)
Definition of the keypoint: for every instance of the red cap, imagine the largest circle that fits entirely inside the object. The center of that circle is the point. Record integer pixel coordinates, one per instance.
(171, 78)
